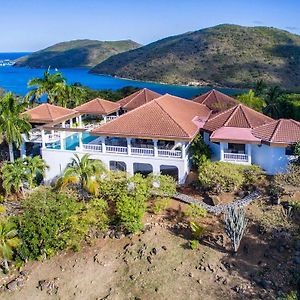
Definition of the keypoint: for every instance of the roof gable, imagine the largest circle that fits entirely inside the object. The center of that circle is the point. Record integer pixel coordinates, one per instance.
(286, 131)
(216, 101)
(239, 116)
(166, 117)
(98, 106)
(137, 99)
(47, 113)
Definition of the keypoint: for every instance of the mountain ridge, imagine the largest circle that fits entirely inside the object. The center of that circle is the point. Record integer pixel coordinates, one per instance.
(75, 53)
(223, 55)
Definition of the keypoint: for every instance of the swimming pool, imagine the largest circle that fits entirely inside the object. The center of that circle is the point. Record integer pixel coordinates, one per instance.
(72, 141)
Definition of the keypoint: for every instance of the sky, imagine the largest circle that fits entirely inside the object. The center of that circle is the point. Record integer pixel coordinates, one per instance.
(30, 25)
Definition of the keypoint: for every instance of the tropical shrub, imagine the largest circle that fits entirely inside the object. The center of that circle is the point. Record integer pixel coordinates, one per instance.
(199, 152)
(162, 185)
(9, 241)
(219, 177)
(195, 212)
(194, 244)
(160, 204)
(51, 222)
(197, 229)
(130, 210)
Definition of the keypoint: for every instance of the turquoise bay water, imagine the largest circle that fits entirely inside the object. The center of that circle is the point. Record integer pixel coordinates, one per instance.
(15, 79)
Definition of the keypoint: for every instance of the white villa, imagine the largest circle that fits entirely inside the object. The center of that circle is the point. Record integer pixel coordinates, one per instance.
(146, 132)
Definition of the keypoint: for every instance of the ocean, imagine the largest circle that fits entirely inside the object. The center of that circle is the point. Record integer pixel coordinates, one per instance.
(15, 79)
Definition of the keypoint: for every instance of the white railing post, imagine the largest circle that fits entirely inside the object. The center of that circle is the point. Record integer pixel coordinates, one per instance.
(80, 140)
(61, 139)
(80, 121)
(155, 148)
(128, 146)
(183, 150)
(221, 151)
(43, 139)
(103, 144)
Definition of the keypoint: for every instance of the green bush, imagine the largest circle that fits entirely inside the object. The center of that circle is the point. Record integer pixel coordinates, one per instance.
(160, 204)
(219, 177)
(194, 244)
(130, 211)
(163, 185)
(195, 212)
(199, 152)
(51, 222)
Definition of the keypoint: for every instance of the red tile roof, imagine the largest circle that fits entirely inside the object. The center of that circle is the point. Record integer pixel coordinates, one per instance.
(137, 99)
(232, 134)
(285, 131)
(48, 113)
(239, 116)
(98, 107)
(167, 117)
(216, 101)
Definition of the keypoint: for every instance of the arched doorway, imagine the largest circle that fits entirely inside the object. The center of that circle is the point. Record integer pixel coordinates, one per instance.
(169, 170)
(117, 166)
(143, 169)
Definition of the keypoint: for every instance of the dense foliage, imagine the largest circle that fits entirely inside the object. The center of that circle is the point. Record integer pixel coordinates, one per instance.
(199, 152)
(219, 177)
(51, 222)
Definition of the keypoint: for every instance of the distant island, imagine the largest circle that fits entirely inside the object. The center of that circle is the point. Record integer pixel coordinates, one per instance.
(224, 55)
(77, 53)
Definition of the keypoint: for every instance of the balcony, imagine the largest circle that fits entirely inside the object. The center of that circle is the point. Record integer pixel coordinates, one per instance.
(144, 150)
(236, 157)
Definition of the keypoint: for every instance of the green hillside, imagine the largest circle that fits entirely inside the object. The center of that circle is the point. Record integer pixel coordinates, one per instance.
(77, 53)
(226, 55)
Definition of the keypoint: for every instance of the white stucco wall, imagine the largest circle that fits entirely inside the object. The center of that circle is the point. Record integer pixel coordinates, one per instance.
(59, 159)
(272, 159)
(215, 148)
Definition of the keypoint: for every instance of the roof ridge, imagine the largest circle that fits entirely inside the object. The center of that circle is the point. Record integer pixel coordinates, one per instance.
(275, 130)
(222, 112)
(49, 111)
(231, 115)
(244, 113)
(172, 117)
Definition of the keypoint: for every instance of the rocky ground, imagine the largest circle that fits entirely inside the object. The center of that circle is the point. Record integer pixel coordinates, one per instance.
(159, 264)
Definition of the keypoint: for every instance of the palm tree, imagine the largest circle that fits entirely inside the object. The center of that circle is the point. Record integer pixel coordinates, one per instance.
(251, 100)
(273, 101)
(12, 123)
(35, 166)
(70, 95)
(48, 86)
(14, 176)
(83, 171)
(8, 241)
(260, 88)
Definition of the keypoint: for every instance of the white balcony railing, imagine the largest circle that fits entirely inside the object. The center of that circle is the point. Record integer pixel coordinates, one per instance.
(116, 149)
(92, 147)
(142, 151)
(110, 118)
(169, 153)
(236, 157)
(135, 151)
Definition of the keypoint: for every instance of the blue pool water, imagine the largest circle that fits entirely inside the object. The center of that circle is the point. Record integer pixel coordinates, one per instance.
(15, 79)
(72, 141)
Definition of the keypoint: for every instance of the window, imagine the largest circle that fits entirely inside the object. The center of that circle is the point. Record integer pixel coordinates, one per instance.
(237, 148)
(290, 150)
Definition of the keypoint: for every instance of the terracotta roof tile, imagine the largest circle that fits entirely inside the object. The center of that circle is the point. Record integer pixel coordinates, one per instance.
(216, 101)
(137, 99)
(48, 113)
(239, 116)
(167, 117)
(98, 107)
(285, 131)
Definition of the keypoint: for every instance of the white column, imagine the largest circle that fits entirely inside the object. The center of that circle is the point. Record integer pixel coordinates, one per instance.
(128, 146)
(23, 150)
(156, 168)
(43, 139)
(63, 124)
(61, 137)
(104, 118)
(80, 140)
(155, 148)
(129, 169)
(71, 123)
(248, 149)
(103, 144)
(80, 121)
(222, 151)
(183, 150)
(117, 113)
